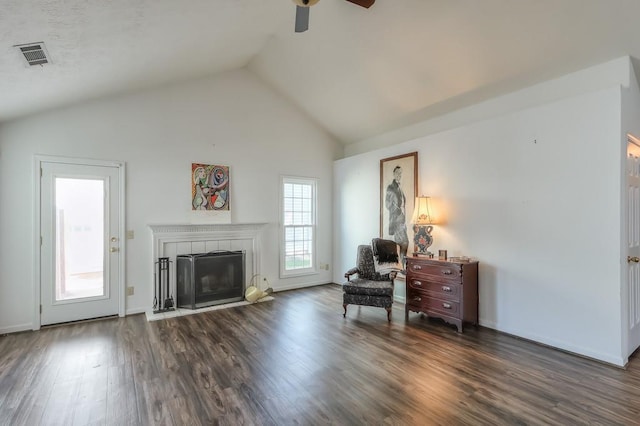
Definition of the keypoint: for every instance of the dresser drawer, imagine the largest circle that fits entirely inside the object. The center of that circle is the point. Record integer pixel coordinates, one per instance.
(449, 291)
(416, 299)
(421, 302)
(445, 307)
(446, 272)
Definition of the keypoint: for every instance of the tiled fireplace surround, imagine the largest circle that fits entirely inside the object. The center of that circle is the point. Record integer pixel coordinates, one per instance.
(170, 240)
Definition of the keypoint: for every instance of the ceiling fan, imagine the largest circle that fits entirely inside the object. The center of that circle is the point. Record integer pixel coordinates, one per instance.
(302, 11)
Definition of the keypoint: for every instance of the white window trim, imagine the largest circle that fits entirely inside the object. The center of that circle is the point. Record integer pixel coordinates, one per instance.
(306, 271)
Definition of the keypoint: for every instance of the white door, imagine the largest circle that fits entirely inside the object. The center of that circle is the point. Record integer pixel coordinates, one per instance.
(80, 231)
(633, 243)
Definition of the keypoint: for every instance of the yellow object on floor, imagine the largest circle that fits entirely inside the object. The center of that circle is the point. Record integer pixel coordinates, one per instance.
(253, 294)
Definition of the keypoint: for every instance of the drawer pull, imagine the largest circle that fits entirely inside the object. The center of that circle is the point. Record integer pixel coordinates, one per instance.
(447, 289)
(418, 299)
(417, 267)
(447, 272)
(419, 283)
(446, 305)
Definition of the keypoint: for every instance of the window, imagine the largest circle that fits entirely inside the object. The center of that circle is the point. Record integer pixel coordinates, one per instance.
(298, 226)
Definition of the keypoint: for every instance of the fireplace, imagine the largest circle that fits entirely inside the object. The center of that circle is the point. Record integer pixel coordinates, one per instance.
(206, 279)
(173, 240)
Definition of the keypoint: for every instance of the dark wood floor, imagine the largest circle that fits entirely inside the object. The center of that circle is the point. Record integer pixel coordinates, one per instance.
(296, 360)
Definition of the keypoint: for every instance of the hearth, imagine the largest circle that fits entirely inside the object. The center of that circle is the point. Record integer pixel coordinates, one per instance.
(206, 279)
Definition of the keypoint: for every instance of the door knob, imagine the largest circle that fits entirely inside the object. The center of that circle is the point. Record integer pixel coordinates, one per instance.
(114, 239)
(634, 259)
(113, 249)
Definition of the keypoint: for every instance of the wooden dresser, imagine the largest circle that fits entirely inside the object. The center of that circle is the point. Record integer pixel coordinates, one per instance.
(443, 289)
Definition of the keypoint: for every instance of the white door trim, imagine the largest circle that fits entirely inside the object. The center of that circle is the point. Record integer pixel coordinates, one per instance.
(38, 160)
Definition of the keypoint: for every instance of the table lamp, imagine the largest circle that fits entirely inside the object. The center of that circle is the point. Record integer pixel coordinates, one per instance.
(422, 226)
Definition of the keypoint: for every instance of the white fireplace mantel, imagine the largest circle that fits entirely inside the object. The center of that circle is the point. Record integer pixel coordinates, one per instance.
(179, 231)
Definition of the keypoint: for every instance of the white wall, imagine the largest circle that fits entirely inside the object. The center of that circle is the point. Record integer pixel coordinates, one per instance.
(535, 196)
(602, 76)
(232, 119)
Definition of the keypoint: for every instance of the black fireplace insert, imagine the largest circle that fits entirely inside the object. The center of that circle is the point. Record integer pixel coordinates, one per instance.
(206, 279)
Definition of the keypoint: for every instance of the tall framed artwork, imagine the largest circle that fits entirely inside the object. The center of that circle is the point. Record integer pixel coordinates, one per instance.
(209, 187)
(398, 191)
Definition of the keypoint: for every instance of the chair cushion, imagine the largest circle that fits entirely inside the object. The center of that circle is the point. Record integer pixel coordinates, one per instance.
(368, 287)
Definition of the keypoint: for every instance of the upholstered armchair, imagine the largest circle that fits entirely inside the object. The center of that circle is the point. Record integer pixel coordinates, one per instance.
(370, 287)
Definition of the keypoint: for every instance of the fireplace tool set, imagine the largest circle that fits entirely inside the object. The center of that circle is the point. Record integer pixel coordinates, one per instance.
(162, 300)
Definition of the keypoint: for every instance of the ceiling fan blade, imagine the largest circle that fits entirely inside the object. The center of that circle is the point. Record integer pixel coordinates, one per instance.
(302, 19)
(363, 3)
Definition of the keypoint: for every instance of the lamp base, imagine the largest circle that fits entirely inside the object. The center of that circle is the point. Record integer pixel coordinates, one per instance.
(428, 254)
(422, 240)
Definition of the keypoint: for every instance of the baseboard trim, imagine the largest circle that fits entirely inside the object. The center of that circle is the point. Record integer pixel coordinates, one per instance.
(581, 352)
(399, 299)
(16, 328)
(136, 311)
(299, 286)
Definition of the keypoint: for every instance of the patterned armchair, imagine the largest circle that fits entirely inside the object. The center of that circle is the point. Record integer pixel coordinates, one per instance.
(370, 288)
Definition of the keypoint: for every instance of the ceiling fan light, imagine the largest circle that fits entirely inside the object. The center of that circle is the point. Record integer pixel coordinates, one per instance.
(305, 3)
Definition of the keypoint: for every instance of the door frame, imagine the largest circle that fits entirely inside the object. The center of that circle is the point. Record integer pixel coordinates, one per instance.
(37, 172)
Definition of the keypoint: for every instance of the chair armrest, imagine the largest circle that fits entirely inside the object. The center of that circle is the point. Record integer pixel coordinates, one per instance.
(350, 272)
(389, 276)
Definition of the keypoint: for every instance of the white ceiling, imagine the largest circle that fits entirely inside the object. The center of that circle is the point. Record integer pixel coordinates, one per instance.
(357, 72)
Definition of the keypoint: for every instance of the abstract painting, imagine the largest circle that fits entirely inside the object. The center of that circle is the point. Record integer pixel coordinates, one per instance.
(209, 187)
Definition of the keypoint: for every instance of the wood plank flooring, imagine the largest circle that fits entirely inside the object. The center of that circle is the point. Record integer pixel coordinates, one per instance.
(296, 360)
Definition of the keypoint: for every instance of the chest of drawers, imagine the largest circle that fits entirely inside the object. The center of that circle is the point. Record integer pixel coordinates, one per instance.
(443, 289)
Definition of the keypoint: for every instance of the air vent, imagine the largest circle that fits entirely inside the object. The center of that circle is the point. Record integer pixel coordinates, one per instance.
(34, 53)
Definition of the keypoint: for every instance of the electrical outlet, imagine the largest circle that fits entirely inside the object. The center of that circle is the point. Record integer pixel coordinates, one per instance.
(130, 291)
(326, 266)
(130, 235)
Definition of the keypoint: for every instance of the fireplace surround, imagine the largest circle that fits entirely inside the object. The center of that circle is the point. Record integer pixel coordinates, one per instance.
(172, 240)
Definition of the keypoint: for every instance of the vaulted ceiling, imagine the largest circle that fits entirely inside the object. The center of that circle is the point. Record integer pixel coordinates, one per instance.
(357, 72)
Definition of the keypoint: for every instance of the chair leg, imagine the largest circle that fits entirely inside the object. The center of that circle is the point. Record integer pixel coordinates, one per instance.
(345, 311)
(388, 314)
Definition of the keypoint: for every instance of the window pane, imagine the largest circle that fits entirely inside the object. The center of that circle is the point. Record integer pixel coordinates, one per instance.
(298, 220)
(288, 190)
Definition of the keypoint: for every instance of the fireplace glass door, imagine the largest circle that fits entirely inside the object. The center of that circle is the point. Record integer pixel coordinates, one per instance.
(213, 278)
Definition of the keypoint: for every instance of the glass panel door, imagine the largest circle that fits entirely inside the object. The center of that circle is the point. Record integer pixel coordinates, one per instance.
(80, 257)
(80, 238)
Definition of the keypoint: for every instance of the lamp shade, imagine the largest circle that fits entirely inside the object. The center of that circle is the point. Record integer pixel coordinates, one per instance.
(422, 214)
